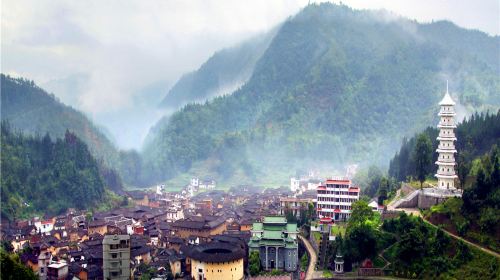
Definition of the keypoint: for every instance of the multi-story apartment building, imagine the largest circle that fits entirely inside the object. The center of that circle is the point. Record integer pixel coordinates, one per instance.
(116, 257)
(294, 205)
(335, 198)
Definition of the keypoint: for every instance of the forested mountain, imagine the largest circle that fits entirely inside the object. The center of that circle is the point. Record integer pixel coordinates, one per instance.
(43, 175)
(34, 111)
(335, 85)
(476, 136)
(476, 215)
(224, 72)
(31, 109)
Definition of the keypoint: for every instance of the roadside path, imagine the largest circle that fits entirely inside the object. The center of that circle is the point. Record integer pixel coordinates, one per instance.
(312, 257)
(488, 251)
(418, 213)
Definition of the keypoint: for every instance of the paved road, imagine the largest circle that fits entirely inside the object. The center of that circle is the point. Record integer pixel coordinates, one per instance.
(312, 257)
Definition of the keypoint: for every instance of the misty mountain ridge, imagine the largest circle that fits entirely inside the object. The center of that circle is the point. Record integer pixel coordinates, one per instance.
(33, 111)
(335, 85)
(223, 73)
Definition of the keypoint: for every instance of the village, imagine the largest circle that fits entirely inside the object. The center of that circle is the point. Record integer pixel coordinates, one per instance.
(203, 233)
(198, 232)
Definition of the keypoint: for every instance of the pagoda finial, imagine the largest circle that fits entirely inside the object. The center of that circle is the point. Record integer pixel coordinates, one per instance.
(446, 86)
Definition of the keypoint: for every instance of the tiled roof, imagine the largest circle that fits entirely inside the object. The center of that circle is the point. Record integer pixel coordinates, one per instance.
(215, 252)
(275, 219)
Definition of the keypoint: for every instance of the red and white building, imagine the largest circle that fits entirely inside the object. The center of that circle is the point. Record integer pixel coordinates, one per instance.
(335, 198)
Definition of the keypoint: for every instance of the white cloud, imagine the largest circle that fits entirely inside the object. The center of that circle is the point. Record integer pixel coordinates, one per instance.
(121, 47)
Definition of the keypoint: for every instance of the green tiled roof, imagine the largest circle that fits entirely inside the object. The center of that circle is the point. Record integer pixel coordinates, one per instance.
(270, 234)
(275, 219)
(291, 227)
(271, 243)
(257, 226)
(274, 227)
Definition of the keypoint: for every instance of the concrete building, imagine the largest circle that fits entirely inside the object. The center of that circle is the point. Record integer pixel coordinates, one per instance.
(116, 257)
(216, 261)
(446, 159)
(57, 271)
(295, 205)
(334, 200)
(276, 242)
(202, 227)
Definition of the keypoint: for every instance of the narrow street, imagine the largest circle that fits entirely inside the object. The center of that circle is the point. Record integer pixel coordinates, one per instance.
(312, 257)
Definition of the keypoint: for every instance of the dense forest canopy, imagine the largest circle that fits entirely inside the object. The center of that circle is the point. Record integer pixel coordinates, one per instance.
(45, 175)
(222, 73)
(34, 111)
(333, 81)
(476, 135)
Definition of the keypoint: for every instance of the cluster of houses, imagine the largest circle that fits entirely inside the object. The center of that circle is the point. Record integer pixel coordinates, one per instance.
(176, 234)
(169, 232)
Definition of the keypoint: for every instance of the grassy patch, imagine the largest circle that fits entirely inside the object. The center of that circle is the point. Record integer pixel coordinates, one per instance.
(317, 236)
(428, 183)
(337, 230)
(327, 274)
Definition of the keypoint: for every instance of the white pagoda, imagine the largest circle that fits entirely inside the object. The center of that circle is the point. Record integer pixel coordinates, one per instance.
(446, 160)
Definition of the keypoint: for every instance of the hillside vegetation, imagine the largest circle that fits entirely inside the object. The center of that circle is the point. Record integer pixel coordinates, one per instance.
(476, 136)
(32, 110)
(29, 108)
(224, 72)
(335, 86)
(42, 175)
(476, 216)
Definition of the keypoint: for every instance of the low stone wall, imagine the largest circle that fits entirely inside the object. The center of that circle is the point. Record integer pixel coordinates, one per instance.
(406, 189)
(426, 201)
(410, 201)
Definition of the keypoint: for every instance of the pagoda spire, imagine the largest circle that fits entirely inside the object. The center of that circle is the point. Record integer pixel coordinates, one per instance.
(446, 150)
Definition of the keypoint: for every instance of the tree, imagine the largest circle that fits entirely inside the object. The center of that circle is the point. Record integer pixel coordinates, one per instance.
(423, 157)
(382, 190)
(254, 263)
(361, 212)
(361, 242)
(304, 261)
(11, 268)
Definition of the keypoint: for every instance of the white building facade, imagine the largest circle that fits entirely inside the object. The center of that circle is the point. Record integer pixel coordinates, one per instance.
(334, 200)
(446, 150)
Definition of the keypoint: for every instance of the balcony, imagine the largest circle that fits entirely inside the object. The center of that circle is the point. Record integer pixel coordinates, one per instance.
(446, 125)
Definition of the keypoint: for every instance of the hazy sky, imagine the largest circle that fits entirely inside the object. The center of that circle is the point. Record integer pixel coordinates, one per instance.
(115, 59)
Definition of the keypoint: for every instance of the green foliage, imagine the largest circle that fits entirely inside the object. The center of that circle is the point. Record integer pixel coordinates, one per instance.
(422, 155)
(222, 71)
(254, 263)
(304, 262)
(29, 108)
(361, 213)
(45, 176)
(6, 246)
(34, 111)
(478, 217)
(363, 238)
(332, 81)
(475, 136)
(13, 269)
(430, 253)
